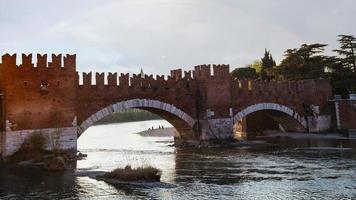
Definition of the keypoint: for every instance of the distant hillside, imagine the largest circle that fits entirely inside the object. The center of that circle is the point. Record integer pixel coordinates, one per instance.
(130, 115)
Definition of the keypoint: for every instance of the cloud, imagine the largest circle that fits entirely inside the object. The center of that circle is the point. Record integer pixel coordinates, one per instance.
(162, 34)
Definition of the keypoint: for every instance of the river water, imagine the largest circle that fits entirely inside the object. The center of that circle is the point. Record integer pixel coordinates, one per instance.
(288, 171)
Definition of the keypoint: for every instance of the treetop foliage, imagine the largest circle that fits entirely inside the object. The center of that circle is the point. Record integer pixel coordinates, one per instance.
(267, 60)
(309, 62)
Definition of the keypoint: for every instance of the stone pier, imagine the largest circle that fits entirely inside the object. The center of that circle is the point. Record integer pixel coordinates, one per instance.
(203, 104)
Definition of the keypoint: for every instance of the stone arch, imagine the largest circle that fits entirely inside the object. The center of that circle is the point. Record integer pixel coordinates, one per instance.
(270, 106)
(146, 104)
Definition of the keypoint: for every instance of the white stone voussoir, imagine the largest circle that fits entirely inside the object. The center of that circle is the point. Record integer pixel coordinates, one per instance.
(269, 106)
(135, 103)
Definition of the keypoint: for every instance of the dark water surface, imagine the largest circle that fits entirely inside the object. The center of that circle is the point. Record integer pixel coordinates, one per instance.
(290, 171)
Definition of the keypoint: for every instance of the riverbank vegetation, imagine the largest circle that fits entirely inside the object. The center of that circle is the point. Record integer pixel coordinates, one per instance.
(33, 154)
(130, 115)
(309, 61)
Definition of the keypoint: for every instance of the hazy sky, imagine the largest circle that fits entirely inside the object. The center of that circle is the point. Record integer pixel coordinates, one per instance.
(158, 35)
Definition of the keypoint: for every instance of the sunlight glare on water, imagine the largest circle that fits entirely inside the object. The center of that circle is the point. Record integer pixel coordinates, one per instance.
(290, 172)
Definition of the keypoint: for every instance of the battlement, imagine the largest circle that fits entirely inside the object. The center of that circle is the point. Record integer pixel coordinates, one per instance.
(264, 86)
(176, 75)
(201, 72)
(204, 72)
(125, 80)
(57, 61)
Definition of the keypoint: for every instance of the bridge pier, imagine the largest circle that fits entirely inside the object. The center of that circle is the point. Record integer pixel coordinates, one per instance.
(203, 104)
(216, 129)
(208, 130)
(56, 138)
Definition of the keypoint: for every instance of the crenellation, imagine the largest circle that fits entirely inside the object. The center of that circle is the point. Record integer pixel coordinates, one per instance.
(176, 74)
(202, 72)
(87, 77)
(41, 61)
(69, 61)
(160, 78)
(206, 71)
(221, 71)
(136, 80)
(77, 77)
(112, 79)
(9, 60)
(149, 81)
(26, 61)
(124, 80)
(56, 61)
(187, 75)
(145, 82)
(99, 79)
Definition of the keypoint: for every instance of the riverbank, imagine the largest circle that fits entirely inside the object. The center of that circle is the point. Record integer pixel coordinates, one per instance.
(44, 159)
(159, 132)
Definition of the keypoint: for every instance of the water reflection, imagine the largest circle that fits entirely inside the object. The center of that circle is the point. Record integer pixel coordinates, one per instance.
(21, 184)
(288, 170)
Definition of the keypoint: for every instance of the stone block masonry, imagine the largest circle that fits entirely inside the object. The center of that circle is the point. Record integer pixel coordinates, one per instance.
(202, 104)
(57, 138)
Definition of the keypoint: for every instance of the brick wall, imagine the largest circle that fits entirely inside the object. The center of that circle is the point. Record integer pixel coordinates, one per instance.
(40, 95)
(347, 114)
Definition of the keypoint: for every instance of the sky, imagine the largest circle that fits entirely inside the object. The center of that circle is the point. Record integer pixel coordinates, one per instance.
(160, 35)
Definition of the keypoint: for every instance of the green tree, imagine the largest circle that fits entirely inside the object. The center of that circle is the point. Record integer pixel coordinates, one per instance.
(257, 65)
(342, 78)
(347, 51)
(305, 62)
(267, 61)
(244, 73)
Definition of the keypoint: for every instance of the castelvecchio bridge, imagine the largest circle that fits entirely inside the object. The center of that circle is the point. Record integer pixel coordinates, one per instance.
(203, 104)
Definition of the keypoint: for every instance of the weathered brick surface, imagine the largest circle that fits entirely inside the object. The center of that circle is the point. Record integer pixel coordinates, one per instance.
(347, 114)
(28, 105)
(48, 94)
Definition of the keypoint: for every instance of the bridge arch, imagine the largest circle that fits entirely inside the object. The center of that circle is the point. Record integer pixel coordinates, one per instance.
(290, 113)
(178, 118)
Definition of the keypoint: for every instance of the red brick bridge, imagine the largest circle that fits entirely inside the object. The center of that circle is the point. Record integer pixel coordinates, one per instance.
(203, 104)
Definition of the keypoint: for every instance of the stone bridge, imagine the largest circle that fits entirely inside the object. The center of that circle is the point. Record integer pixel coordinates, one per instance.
(53, 99)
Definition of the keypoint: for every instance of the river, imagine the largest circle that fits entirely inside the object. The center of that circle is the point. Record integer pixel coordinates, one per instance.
(290, 171)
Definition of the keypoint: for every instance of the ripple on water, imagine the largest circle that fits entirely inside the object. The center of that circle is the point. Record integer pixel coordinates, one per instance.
(276, 173)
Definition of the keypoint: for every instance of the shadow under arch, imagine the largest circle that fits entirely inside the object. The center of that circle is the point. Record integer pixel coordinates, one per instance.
(180, 120)
(287, 117)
